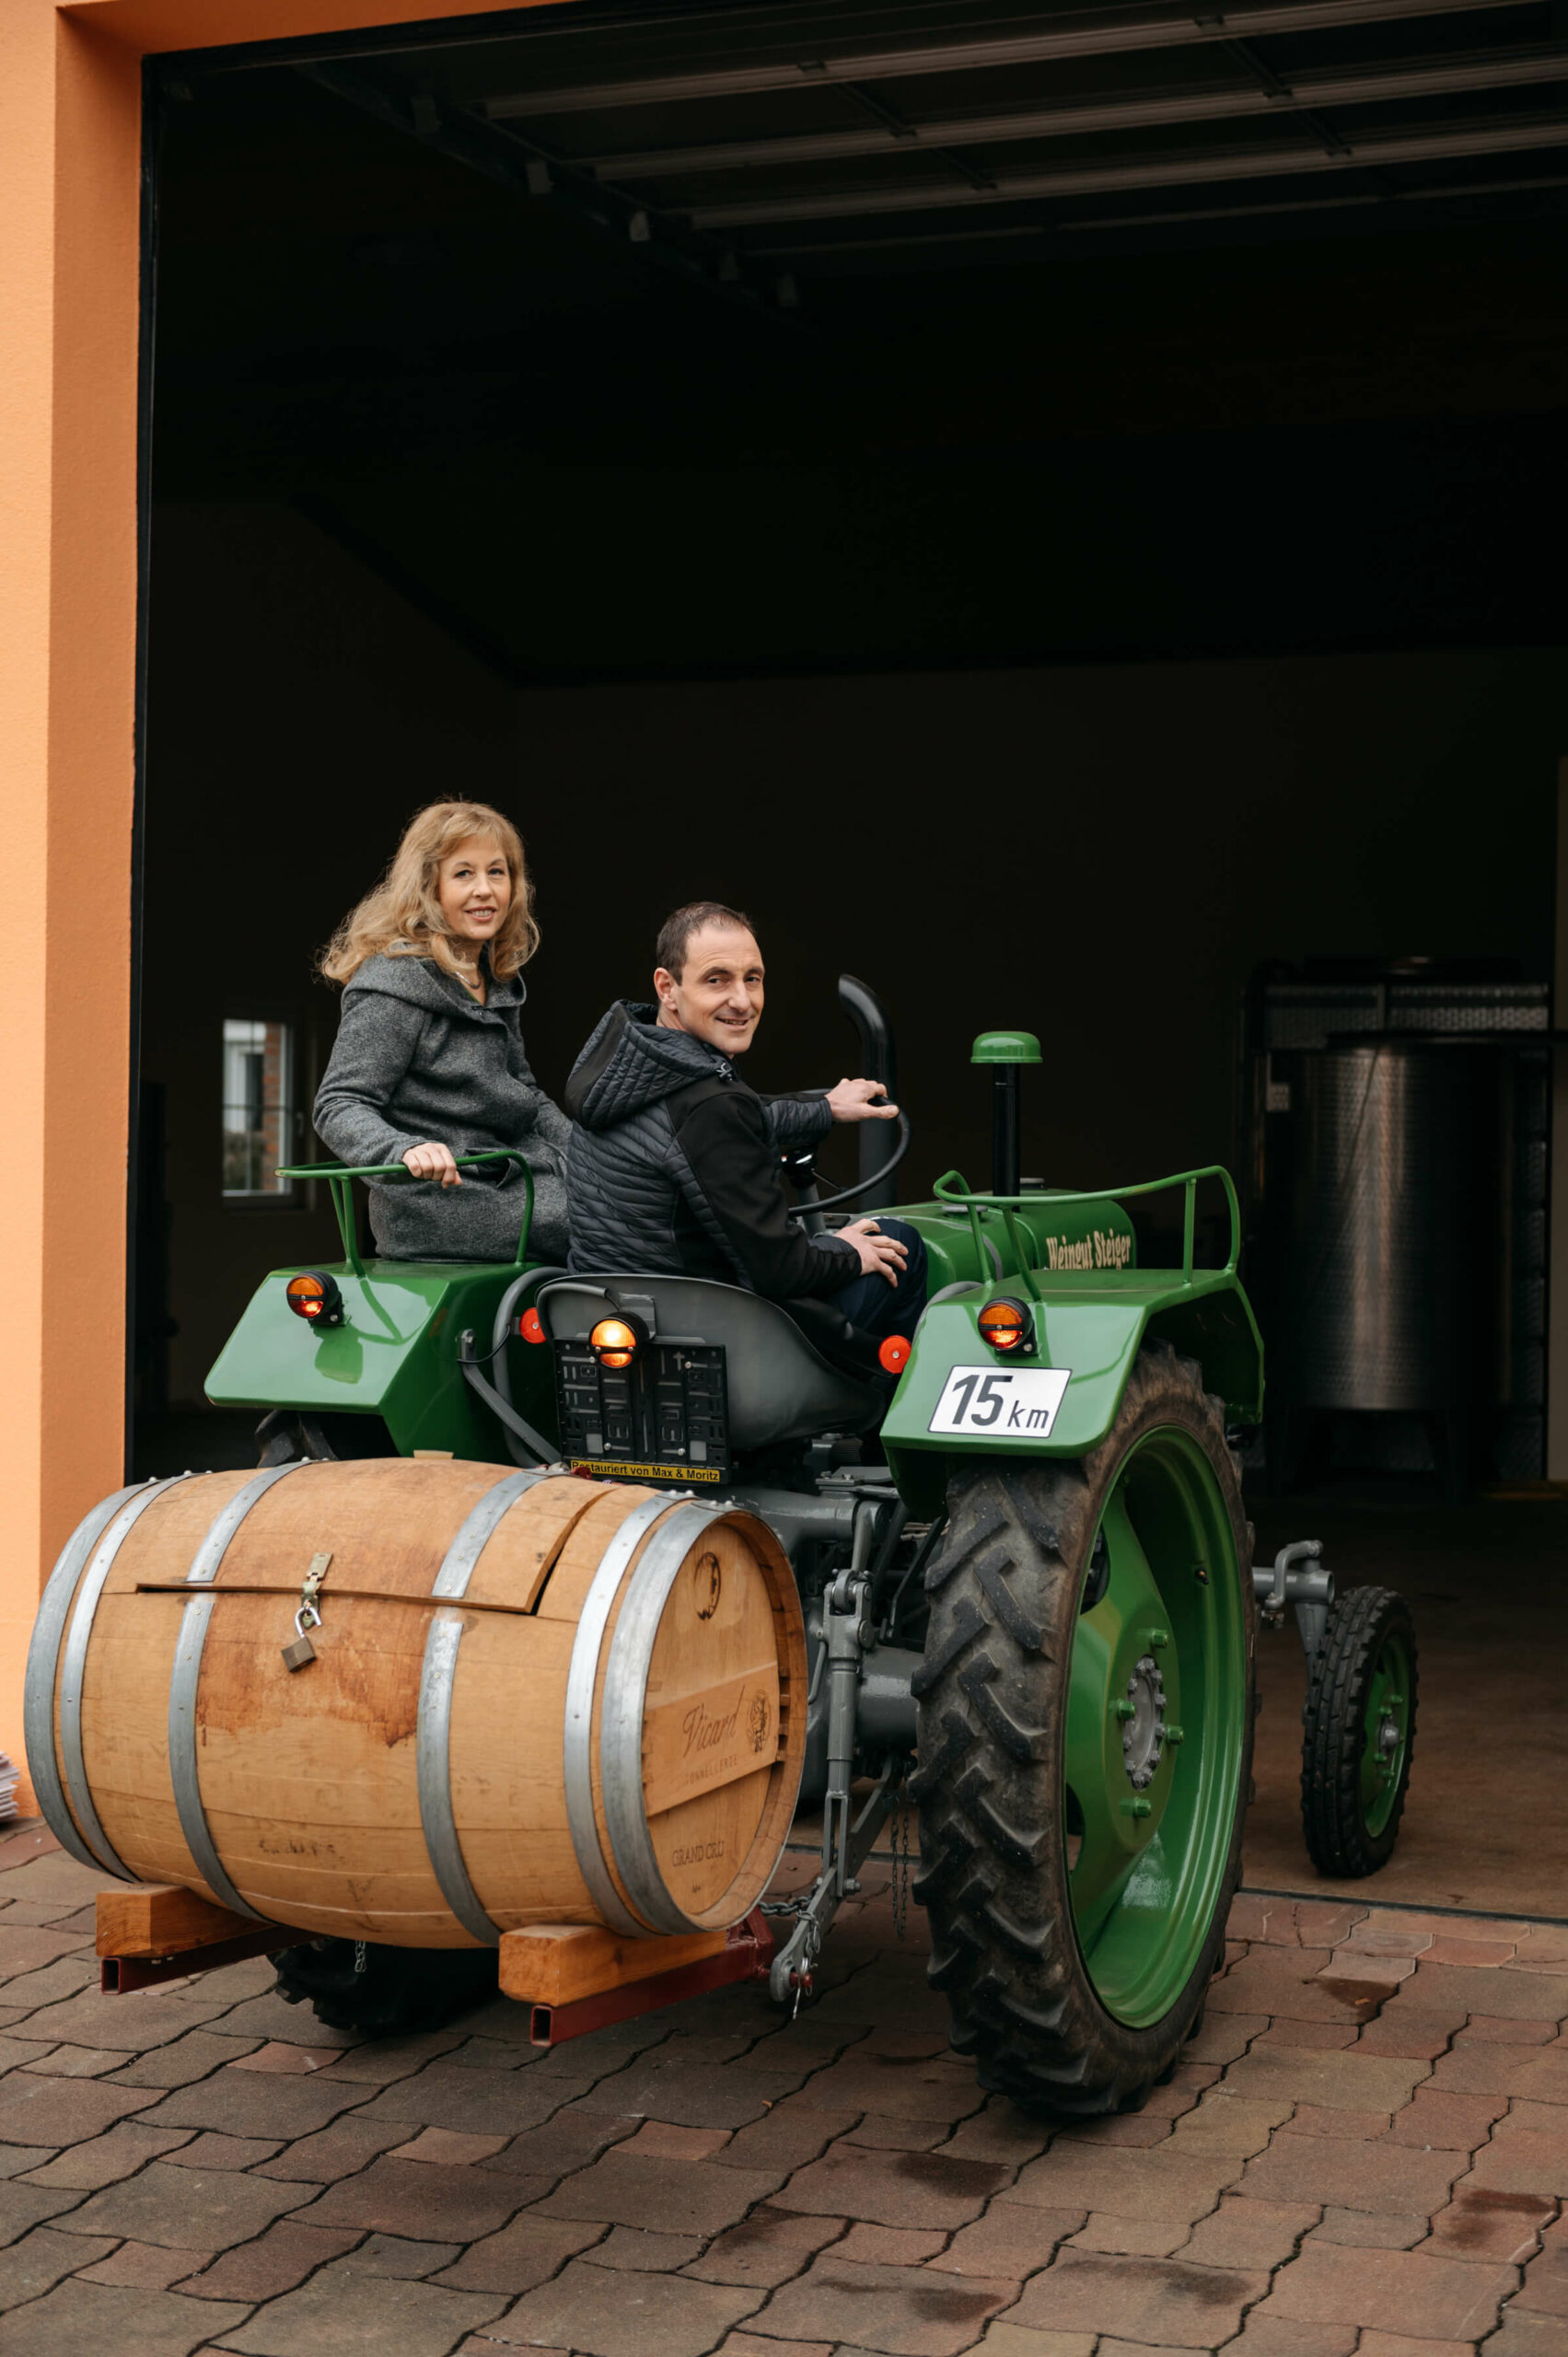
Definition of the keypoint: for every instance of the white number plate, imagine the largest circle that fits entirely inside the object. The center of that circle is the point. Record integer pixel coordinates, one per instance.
(1019, 1402)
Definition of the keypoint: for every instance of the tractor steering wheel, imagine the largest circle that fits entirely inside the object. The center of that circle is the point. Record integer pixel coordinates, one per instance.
(813, 1206)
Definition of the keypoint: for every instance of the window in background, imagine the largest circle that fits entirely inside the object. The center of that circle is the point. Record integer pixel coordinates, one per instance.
(258, 1124)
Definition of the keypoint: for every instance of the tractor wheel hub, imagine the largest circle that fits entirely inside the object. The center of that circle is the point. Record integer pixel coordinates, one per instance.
(1143, 1734)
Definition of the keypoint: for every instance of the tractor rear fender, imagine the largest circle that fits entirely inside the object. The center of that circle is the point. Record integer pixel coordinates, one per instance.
(1089, 1327)
(394, 1355)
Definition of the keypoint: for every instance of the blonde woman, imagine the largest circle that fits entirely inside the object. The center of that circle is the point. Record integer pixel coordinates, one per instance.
(429, 1060)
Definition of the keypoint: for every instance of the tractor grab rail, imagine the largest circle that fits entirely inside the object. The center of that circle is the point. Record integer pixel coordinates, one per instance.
(339, 1177)
(953, 1188)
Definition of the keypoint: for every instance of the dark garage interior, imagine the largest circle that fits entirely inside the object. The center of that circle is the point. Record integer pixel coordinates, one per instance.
(1057, 512)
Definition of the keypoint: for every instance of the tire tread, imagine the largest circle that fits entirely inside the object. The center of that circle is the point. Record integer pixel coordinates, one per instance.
(1333, 1735)
(1009, 1572)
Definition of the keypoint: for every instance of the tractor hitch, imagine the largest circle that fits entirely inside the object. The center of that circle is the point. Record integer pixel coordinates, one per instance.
(1309, 1593)
(846, 1845)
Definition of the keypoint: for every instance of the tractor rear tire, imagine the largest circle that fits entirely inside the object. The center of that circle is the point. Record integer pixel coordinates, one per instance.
(395, 1990)
(1061, 1588)
(1358, 1732)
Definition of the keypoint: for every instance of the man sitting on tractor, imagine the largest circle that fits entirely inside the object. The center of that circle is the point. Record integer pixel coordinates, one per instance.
(674, 1163)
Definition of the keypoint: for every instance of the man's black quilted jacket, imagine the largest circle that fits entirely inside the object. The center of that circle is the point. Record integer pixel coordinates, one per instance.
(674, 1165)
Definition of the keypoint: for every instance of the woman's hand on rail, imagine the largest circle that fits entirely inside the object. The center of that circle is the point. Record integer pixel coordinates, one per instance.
(432, 1161)
(860, 1100)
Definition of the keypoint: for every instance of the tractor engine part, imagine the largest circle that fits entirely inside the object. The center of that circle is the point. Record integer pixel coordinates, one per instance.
(533, 1699)
(1006, 1052)
(884, 1706)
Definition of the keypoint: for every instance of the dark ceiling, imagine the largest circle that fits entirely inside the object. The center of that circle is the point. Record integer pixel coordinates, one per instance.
(758, 139)
(719, 338)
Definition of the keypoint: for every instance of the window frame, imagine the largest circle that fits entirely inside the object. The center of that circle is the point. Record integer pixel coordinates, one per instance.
(291, 1195)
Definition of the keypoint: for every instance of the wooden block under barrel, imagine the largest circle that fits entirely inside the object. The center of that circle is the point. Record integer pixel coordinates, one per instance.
(557, 1963)
(160, 1918)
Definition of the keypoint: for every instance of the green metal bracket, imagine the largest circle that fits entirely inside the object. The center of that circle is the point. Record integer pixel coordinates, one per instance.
(952, 1187)
(339, 1178)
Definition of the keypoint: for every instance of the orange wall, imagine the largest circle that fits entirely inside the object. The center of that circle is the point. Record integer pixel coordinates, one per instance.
(70, 132)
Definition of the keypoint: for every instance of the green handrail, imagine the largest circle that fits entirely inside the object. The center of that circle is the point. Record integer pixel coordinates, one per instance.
(339, 1178)
(953, 1188)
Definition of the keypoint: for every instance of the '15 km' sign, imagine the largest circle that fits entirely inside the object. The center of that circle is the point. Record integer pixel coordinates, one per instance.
(1021, 1403)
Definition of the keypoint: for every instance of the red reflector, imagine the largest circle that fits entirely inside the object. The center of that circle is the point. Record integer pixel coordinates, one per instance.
(531, 1328)
(894, 1353)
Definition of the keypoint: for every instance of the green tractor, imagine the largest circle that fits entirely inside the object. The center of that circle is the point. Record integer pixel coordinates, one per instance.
(1020, 1544)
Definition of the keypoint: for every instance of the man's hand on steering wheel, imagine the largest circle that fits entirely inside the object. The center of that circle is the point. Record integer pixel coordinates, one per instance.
(852, 1101)
(880, 1256)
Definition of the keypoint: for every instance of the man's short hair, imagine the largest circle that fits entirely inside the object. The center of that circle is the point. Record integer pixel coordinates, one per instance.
(670, 950)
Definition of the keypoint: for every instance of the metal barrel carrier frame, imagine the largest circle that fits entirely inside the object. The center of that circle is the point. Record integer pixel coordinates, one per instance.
(999, 1575)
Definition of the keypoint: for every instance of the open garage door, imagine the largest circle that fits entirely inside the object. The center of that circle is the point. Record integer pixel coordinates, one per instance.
(1054, 511)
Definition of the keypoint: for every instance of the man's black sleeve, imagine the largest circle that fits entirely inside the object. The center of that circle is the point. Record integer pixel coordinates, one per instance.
(725, 1138)
(797, 1120)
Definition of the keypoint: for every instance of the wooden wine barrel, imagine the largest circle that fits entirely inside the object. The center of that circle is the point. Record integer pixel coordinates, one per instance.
(534, 1700)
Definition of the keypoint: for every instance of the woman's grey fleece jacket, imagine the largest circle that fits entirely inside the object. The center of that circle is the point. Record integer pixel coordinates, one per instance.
(417, 1059)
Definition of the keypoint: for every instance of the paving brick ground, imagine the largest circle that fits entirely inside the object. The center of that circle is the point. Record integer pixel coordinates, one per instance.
(1365, 2154)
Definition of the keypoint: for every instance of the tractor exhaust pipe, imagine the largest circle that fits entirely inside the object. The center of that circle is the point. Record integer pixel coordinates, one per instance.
(1006, 1131)
(1006, 1052)
(875, 1034)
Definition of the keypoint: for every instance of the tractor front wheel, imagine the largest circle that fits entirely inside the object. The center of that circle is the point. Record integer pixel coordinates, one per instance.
(1358, 1731)
(1085, 1734)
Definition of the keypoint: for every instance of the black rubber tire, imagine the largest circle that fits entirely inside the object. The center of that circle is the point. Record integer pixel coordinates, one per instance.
(1006, 1589)
(285, 1433)
(399, 1989)
(1333, 1720)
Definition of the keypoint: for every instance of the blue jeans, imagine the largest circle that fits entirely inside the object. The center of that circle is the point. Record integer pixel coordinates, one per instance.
(879, 1308)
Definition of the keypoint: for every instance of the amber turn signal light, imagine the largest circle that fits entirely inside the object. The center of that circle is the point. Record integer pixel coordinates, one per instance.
(615, 1341)
(530, 1326)
(1007, 1326)
(315, 1298)
(894, 1353)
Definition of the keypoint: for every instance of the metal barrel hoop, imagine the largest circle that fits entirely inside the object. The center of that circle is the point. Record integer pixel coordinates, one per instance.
(625, 1700)
(438, 1673)
(581, 1678)
(476, 1532)
(57, 1791)
(185, 1678)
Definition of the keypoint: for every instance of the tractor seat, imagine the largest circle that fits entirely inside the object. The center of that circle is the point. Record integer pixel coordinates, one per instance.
(780, 1386)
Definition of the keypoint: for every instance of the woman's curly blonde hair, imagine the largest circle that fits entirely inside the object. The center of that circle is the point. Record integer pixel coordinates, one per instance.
(401, 916)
